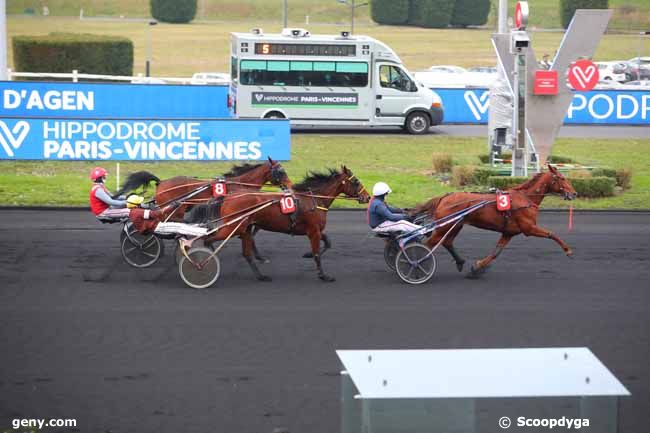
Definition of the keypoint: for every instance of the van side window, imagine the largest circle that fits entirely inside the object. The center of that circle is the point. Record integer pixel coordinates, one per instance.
(393, 77)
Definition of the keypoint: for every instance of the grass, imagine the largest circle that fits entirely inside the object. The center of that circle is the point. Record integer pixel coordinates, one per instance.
(628, 14)
(181, 50)
(402, 161)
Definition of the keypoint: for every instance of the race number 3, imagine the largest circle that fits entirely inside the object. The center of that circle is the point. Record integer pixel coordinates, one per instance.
(503, 202)
(287, 204)
(219, 189)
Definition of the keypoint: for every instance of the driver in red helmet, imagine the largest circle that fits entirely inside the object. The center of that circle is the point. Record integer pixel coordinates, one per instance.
(101, 203)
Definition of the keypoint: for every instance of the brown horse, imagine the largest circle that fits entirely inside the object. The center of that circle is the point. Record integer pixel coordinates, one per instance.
(313, 197)
(521, 218)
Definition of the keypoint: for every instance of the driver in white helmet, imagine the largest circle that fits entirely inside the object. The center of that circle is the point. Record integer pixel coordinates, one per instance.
(383, 218)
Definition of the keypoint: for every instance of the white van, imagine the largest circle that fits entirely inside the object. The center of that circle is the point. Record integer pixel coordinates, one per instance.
(324, 80)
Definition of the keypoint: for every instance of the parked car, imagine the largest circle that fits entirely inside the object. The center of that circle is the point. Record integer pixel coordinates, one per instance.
(638, 69)
(636, 84)
(211, 78)
(483, 69)
(148, 80)
(448, 69)
(607, 71)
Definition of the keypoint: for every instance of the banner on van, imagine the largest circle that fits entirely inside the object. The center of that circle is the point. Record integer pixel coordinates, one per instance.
(144, 140)
(307, 99)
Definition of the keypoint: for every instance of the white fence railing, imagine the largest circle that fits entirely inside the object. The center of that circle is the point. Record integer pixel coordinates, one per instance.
(75, 76)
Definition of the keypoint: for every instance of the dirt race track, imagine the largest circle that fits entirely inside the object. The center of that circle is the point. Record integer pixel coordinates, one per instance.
(124, 350)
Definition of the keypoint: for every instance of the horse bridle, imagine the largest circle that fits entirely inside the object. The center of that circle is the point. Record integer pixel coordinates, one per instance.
(277, 173)
(355, 181)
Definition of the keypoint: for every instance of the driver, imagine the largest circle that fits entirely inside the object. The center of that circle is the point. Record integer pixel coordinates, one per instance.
(383, 218)
(101, 203)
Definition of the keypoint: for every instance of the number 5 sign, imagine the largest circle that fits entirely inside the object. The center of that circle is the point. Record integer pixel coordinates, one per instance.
(287, 204)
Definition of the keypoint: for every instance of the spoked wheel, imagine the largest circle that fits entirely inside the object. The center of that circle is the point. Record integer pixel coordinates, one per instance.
(138, 250)
(415, 264)
(390, 252)
(202, 270)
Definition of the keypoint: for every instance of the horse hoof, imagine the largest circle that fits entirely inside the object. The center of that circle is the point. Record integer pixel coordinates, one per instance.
(569, 254)
(460, 266)
(263, 260)
(264, 278)
(475, 273)
(326, 278)
(308, 256)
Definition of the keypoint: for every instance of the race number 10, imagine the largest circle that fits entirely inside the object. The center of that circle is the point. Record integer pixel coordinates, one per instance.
(219, 189)
(287, 204)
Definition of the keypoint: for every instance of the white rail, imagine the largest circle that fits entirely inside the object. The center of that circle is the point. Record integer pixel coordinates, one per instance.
(75, 76)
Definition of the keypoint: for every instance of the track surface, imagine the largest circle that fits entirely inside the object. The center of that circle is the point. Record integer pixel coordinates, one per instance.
(121, 350)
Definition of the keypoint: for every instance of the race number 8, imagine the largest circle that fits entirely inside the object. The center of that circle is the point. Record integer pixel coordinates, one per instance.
(287, 204)
(219, 189)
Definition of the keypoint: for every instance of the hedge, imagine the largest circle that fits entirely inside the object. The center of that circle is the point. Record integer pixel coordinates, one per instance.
(470, 13)
(389, 11)
(568, 8)
(173, 11)
(64, 52)
(431, 13)
(589, 187)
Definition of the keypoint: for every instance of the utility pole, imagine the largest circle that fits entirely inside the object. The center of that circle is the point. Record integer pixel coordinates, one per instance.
(285, 13)
(3, 40)
(147, 68)
(638, 59)
(503, 17)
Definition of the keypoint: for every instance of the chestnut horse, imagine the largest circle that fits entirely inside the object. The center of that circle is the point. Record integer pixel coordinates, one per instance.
(313, 197)
(521, 218)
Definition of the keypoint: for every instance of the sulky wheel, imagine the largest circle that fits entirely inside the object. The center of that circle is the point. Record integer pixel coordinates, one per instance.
(138, 250)
(415, 264)
(390, 252)
(202, 270)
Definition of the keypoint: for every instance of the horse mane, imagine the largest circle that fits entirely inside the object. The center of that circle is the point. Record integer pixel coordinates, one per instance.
(315, 179)
(239, 170)
(530, 182)
(136, 180)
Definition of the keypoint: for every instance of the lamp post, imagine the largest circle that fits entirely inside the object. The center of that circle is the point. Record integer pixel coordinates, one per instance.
(638, 59)
(353, 6)
(147, 68)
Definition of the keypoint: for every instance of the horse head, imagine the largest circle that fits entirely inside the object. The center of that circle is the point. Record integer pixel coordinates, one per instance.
(277, 176)
(352, 187)
(560, 185)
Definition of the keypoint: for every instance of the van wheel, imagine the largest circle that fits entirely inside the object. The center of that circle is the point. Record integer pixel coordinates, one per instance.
(417, 123)
(274, 115)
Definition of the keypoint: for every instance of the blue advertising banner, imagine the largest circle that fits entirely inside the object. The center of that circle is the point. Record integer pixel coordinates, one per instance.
(144, 140)
(605, 107)
(113, 101)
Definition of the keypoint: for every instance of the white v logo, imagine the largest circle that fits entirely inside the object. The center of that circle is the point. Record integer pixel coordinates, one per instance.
(12, 139)
(477, 105)
(584, 77)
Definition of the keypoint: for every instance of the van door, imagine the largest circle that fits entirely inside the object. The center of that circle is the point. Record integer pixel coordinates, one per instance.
(395, 92)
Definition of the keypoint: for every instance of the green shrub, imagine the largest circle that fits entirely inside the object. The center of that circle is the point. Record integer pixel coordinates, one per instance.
(606, 172)
(624, 178)
(593, 187)
(568, 8)
(442, 163)
(173, 11)
(462, 175)
(557, 159)
(431, 13)
(470, 13)
(481, 175)
(504, 182)
(389, 11)
(63, 52)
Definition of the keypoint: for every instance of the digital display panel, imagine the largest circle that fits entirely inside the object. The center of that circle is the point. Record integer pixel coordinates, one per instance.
(305, 50)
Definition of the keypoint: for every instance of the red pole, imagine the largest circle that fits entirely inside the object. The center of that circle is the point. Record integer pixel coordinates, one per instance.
(570, 217)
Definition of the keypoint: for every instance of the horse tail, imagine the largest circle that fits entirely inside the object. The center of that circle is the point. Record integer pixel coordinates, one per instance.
(428, 207)
(137, 180)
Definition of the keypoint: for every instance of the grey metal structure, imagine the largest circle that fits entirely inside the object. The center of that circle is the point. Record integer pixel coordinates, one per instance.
(470, 390)
(547, 113)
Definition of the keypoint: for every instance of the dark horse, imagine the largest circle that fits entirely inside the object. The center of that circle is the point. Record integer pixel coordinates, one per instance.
(313, 197)
(521, 218)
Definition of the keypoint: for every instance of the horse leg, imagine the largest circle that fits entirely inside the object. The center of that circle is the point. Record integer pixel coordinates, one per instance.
(448, 243)
(315, 238)
(327, 244)
(480, 266)
(260, 258)
(539, 232)
(247, 251)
